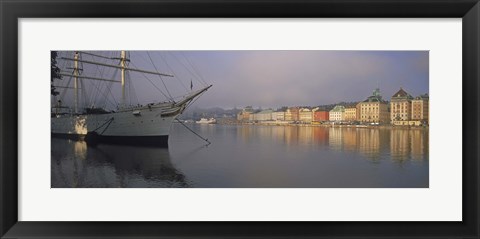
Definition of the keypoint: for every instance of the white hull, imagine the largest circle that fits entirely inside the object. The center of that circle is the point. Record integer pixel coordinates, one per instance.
(141, 123)
(207, 121)
(155, 120)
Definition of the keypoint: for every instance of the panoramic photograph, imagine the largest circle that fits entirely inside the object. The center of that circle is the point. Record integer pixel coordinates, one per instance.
(239, 119)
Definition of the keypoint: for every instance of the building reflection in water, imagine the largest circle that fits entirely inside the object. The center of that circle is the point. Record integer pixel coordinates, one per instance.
(252, 156)
(400, 142)
(370, 143)
(350, 139)
(373, 143)
(409, 144)
(419, 144)
(286, 135)
(335, 138)
(77, 165)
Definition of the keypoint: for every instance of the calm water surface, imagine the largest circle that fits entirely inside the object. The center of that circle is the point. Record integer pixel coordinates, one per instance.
(251, 156)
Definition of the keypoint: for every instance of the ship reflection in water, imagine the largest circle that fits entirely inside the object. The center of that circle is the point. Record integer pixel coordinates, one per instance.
(74, 164)
(252, 156)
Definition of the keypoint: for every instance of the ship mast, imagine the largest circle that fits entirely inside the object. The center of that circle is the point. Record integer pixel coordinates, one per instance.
(75, 84)
(123, 65)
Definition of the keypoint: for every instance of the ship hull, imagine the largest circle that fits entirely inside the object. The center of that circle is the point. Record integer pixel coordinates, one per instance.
(155, 141)
(137, 126)
(94, 139)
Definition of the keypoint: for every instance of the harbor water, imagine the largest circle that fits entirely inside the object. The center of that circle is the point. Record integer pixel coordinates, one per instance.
(251, 156)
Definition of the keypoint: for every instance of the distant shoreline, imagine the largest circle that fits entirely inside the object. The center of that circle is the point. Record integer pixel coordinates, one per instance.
(328, 125)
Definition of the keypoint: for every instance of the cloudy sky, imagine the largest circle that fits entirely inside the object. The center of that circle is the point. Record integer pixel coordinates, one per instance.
(277, 78)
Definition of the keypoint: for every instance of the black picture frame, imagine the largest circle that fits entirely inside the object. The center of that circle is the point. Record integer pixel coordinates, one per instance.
(11, 11)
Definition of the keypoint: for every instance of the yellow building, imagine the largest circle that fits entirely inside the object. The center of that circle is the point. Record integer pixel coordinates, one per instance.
(420, 108)
(374, 109)
(351, 113)
(305, 115)
(401, 107)
(279, 116)
(244, 115)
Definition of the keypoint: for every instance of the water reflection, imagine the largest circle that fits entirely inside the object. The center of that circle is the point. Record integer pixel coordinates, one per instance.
(76, 165)
(252, 156)
(370, 143)
(374, 143)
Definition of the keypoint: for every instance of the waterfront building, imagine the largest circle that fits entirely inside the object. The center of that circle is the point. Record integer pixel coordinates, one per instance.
(374, 109)
(351, 113)
(292, 114)
(337, 113)
(305, 115)
(279, 116)
(244, 115)
(420, 109)
(401, 108)
(264, 115)
(320, 116)
(288, 115)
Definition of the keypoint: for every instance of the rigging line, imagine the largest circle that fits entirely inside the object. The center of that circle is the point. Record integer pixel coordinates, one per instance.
(195, 99)
(148, 54)
(80, 71)
(152, 83)
(62, 95)
(108, 72)
(108, 125)
(107, 91)
(206, 140)
(170, 68)
(64, 66)
(91, 96)
(178, 60)
(110, 88)
(119, 67)
(83, 93)
(103, 94)
(194, 68)
(100, 72)
(104, 123)
(99, 91)
(100, 56)
(134, 93)
(129, 82)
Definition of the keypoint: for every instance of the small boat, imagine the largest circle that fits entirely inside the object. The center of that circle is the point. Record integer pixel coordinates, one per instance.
(207, 121)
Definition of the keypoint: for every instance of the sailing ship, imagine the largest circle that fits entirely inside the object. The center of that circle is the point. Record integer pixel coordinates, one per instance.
(139, 124)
